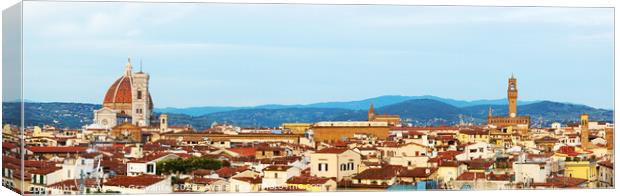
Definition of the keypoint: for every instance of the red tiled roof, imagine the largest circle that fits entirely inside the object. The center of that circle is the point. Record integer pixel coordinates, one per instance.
(561, 182)
(546, 139)
(568, 150)
(378, 173)
(119, 92)
(471, 176)
(607, 164)
(307, 180)
(277, 168)
(117, 166)
(203, 180)
(203, 172)
(332, 150)
(73, 184)
(420, 172)
(280, 160)
(480, 164)
(8, 145)
(38, 164)
(250, 180)
(226, 172)
(245, 151)
(45, 171)
(57, 149)
(284, 189)
(499, 177)
(133, 181)
(390, 144)
(451, 154)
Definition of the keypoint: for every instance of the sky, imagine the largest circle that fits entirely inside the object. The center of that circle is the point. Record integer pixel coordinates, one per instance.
(250, 54)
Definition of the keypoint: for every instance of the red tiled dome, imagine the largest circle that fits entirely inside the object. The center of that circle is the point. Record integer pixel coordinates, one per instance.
(119, 92)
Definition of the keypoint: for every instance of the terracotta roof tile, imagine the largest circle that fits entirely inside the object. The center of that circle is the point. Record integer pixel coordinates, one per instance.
(332, 150)
(119, 92)
(420, 172)
(57, 149)
(307, 180)
(133, 181)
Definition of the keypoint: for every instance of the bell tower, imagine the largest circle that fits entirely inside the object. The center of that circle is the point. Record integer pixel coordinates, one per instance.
(512, 96)
(141, 100)
(585, 132)
(371, 113)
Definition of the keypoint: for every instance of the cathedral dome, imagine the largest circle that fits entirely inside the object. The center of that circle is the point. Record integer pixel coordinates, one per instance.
(120, 91)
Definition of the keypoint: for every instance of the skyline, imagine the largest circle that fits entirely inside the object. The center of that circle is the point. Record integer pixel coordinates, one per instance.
(196, 59)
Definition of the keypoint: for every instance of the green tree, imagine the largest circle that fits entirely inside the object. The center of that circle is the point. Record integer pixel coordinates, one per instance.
(184, 166)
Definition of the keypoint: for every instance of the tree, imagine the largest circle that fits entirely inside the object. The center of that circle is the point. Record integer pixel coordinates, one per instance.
(179, 165)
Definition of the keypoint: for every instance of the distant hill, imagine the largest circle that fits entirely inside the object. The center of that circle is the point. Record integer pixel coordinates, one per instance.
(63, 115)
(414, 111)
(351, 105)
(423, 111)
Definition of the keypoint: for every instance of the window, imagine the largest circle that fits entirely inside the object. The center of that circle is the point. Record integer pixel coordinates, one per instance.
(149, 168)
(343, 167)
(350, 166)
(275, 175)
(139, 94)
(320, 166)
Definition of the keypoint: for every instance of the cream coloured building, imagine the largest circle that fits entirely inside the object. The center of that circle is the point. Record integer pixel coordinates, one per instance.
(340, 163)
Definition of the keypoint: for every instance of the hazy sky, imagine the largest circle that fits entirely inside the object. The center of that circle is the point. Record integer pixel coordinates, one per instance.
(235, 54)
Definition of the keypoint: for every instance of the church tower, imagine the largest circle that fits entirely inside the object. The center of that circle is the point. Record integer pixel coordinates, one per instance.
(371, 113)
(512, 96)
(141, 103)
(163, 122)
(585, 132)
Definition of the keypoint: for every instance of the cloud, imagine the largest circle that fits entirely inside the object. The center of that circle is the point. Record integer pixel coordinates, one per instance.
(100, 19)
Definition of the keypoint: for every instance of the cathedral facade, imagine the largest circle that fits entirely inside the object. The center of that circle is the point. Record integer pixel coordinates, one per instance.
(127, 100)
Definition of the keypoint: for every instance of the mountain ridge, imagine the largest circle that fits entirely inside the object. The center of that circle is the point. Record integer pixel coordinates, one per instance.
(379, 101)
(419, 112)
